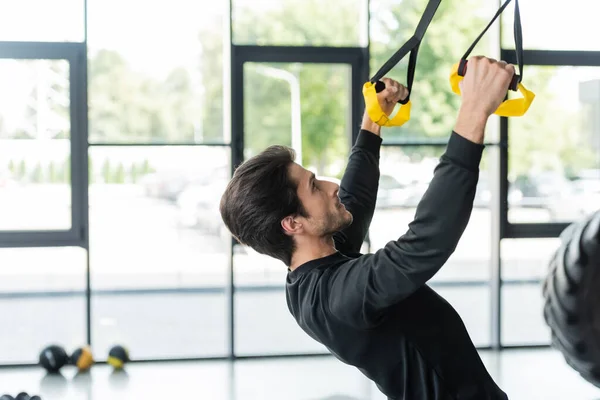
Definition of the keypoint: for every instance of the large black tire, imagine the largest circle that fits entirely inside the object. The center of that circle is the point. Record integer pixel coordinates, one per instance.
(572, 297)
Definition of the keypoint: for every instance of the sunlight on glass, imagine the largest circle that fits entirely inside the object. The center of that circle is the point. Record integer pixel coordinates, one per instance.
(554, 25)
(42, 20)
(35, 169)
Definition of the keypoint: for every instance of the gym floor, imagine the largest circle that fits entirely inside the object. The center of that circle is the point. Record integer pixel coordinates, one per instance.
(537, 374)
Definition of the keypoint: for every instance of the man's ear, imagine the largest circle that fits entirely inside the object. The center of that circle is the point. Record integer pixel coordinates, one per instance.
(290, 225)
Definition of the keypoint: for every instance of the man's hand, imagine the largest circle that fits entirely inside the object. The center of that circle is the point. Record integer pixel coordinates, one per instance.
(483, 89)
(392, 94)
(388, 98)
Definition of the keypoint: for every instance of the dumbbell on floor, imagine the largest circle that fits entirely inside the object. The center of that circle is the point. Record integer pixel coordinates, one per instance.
(20, 396)
(25, 396)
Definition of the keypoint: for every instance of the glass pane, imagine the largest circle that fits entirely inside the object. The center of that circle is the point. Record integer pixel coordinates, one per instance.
(307, 107)
(42, 301)
(406, 173)
(158, 249)
(473, 305)
(524, 265)
(35, 152)
(434, 105)
(169, 91)
(523, 315)
(299, 22)
(578, 25)
(554, 163)
(527, 259)
(42, 21)
(263, 323)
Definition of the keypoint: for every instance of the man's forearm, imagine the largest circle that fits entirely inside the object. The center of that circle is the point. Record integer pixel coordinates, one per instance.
(471, 123)
(369, 125)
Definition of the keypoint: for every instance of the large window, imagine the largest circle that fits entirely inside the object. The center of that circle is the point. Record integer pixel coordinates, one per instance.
(109, 200)
(158, 162)
(553, 162)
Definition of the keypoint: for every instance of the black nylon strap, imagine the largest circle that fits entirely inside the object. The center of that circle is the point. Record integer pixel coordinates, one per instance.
(411, 46)
(518, 33)
(500, 10)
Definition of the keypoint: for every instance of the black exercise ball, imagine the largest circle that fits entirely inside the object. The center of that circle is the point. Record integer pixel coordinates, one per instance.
(572, 303)
(118, 356)
(53, 358)
(7, 397)
(23, 396)
(82, 358)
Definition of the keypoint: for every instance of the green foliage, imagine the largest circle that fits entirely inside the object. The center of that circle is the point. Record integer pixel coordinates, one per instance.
(22, 170)
(12, 167)
(128, 106)
(119, 174)
(37, 175)
(106, 171)
(67, 170)
(52, 175)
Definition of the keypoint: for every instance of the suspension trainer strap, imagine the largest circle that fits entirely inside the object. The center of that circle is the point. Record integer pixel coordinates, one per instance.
(375, 85)
(509, 108)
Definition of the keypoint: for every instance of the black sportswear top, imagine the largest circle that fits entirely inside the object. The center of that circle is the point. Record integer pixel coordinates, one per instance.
(375, 311)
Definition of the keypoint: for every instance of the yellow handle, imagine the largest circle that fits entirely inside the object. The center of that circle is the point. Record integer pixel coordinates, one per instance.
(376, 113)
(509, 108)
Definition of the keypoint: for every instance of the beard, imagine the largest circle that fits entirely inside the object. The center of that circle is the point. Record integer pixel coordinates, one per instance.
(336, 221)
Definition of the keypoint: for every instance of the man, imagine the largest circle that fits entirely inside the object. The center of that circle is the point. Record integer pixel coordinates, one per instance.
(375, 311)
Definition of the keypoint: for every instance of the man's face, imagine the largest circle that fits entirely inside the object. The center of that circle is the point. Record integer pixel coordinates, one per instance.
(326, 214)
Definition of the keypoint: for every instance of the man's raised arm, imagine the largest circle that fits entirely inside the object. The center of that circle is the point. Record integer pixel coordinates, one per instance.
(362, 289)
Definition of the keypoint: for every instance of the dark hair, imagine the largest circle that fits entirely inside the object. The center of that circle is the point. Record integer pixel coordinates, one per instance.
(259, 195)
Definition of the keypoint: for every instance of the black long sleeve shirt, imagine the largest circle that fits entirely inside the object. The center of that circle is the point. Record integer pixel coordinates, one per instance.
(375, 311)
